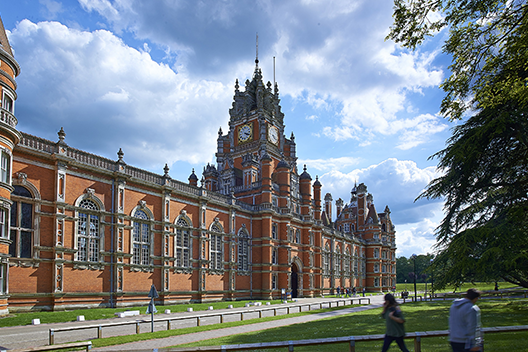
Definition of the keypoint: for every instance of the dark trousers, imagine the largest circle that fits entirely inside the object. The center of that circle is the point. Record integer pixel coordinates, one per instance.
(460, 347)
(388, 340)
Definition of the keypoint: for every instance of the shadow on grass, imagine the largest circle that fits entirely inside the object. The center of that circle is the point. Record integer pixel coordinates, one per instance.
(422, 316)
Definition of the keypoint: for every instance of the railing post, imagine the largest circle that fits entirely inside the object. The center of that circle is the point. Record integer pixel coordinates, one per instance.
(221, 318)
(99, 332)
(241, 316)
(198, 321)
(137, 327)
(51, 336)
(288, 308)
(274, 312)
(417, 343)
(260, 313)
(290, 346)
(168, 324)
(352, 344)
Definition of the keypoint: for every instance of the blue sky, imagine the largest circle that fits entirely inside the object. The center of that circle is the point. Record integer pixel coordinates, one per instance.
(156, 78)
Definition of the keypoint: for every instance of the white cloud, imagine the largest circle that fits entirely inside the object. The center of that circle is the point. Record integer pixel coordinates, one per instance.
(108, 96)
(328, 54)
(330, 163)
(394, 183)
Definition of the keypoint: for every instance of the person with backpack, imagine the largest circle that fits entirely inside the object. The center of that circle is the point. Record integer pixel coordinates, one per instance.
(394, 320)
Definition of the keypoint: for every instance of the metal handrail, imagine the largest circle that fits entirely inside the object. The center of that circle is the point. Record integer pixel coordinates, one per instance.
(198, 317)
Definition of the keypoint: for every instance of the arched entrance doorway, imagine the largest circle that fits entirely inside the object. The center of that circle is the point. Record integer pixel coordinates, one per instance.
(294, 281)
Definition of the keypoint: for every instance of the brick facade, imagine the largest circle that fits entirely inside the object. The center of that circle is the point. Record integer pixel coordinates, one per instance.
(89, 231)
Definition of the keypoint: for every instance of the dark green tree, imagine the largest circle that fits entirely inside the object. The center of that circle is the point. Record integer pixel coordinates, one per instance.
(404, 266)
(486, 38)
(484, 233)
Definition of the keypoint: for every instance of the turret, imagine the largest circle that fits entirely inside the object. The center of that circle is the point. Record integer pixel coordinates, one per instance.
(305, 181)
(193, 179)
(317, 198)
(283, 179)
(339, 206)
(328, 206)
(210, 176)
(10, 136)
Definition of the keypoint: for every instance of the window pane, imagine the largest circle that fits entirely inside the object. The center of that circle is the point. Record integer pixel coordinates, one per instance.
(145, 233)
(27, 216)
(25, 244)
(14, 212)
(22, 191)
(81, 254)
(12, 246)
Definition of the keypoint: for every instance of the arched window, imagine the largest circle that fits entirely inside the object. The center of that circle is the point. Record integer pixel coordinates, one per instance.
(216, 246)
(337, 260)
(182, 243)
(88, 232)
(21, 233)
(326, 260)
(347, 261)
(243, 250)
(141, 239)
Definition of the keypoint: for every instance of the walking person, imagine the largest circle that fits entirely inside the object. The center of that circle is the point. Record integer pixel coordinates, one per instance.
(465, 330)
(394, 320)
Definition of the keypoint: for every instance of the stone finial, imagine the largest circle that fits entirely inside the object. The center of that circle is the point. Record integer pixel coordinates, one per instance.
(276, 88)
(62, 135)
(236, 85)
(166, 170)
(120, 155)
(292, 137)
(220, 133)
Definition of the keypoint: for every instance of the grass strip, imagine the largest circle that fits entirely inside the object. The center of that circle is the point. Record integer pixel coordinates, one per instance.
(422, 316)
(118, 340)
(25, 318)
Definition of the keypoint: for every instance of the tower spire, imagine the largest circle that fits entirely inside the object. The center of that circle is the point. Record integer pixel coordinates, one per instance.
(256, 59)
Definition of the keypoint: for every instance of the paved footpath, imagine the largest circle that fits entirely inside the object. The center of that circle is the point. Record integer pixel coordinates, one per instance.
(37, 335)
(151, 345)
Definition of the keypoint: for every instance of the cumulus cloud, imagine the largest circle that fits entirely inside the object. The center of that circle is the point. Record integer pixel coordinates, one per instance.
(328, 54)
(330, 163)
(108, 95)
(393, 182)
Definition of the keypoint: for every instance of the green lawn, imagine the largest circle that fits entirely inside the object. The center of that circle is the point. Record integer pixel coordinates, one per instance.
(420, 317)
(482, 286)
(17, 319)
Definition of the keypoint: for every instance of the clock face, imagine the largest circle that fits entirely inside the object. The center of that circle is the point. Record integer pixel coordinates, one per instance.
(273, 134)
(244, 133)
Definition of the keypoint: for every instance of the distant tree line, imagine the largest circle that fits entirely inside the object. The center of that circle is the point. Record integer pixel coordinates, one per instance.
(405, 268)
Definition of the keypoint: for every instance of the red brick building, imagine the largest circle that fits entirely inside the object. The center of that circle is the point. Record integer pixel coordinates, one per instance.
(80, 230)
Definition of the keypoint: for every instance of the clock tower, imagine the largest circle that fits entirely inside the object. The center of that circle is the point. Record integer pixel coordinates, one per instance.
(256, 133)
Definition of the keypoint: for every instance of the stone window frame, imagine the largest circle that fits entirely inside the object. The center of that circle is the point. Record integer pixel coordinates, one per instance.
(326, 259)
(146, 223)
(183, 231)
(274, 231)
(15, 232)
(6, 160)
(10, 98)
(243, 250)
(216, 245)
(99, 213)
